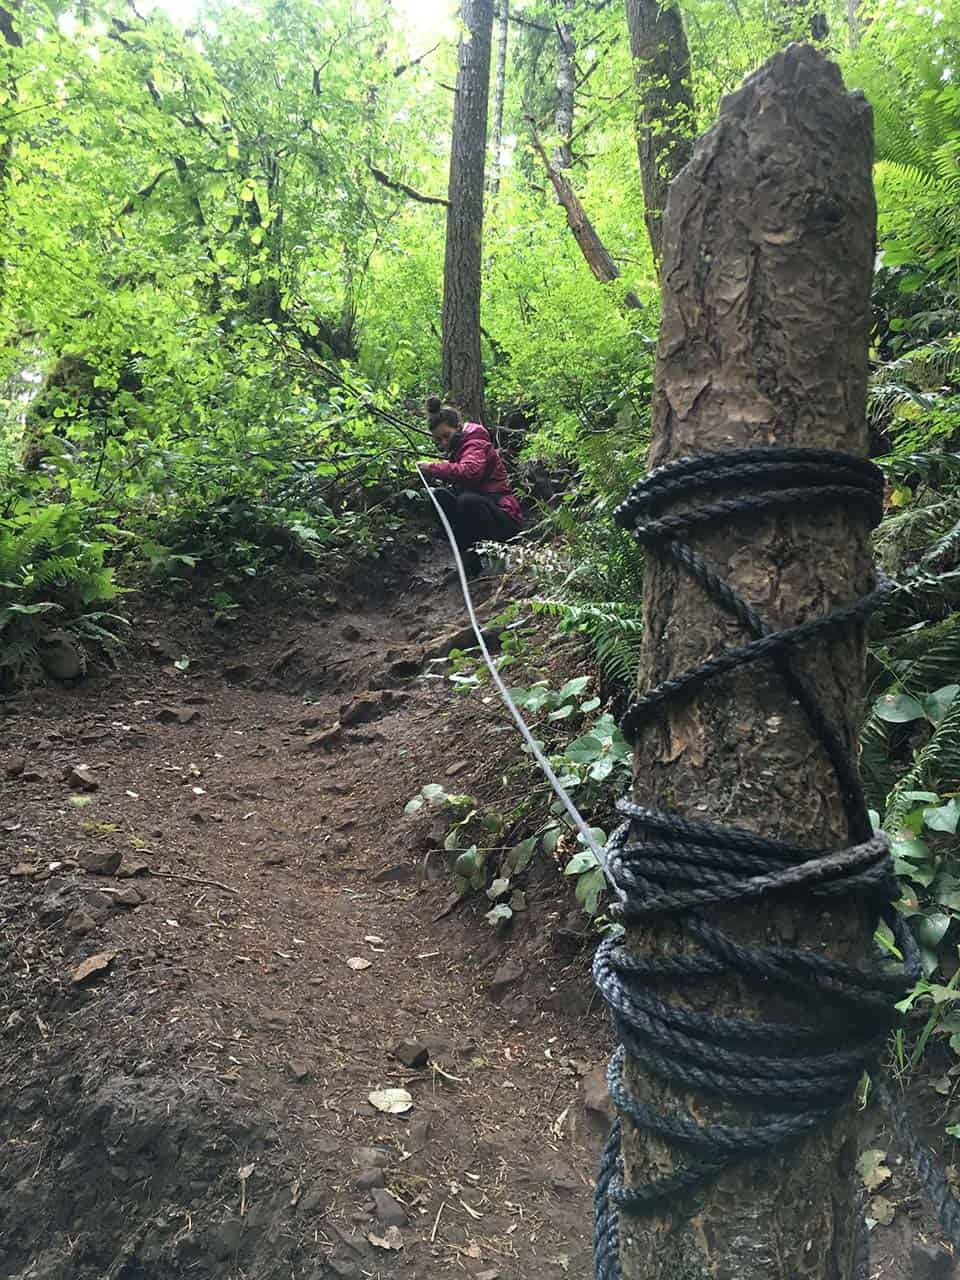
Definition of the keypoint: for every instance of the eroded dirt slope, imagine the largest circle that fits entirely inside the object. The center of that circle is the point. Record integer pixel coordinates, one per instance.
(200, 1106)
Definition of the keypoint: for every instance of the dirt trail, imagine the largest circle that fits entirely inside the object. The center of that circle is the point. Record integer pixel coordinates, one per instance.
(201, 1106)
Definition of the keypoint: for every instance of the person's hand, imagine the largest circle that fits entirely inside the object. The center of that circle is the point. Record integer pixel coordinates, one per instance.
(425, 468)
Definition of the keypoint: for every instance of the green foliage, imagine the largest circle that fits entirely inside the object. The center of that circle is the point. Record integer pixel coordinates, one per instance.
(52, 574)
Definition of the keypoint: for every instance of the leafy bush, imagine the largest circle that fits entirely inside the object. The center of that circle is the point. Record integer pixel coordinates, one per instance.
(51, 574)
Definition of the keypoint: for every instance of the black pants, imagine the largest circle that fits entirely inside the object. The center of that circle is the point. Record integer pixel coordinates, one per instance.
(475, 517)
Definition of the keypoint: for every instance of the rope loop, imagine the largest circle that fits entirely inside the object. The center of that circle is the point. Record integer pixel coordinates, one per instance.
(793, 1076)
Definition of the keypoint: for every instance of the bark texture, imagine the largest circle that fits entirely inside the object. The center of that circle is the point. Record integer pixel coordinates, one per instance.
(595, 252)
(566, 87)
(500, 93)
(767, 261)
(462, 372)
(661, 64)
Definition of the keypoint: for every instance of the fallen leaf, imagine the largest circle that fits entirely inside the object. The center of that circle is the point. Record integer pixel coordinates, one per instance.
(373, 940)
(358, 963)
(393, 1101)
(872, 1169)
(94, 965)
(882, 1210)
(391, 1239)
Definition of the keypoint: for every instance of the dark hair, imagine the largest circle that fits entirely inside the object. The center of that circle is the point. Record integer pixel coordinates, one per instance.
(439, 413)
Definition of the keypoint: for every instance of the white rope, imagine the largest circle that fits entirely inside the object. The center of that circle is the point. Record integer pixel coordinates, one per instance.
(575, 816)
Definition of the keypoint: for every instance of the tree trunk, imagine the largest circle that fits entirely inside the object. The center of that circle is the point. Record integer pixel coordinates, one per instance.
(661, 62)
(566, 87)
(768, 245)
(462, 373)
(500, 94)
(853, 23)
(595, 252)
(11, 40)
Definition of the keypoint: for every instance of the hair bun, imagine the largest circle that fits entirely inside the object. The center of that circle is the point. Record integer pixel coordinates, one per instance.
(434, 404)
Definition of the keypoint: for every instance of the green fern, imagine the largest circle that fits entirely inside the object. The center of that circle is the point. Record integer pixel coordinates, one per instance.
(938, 759)
(613, 631)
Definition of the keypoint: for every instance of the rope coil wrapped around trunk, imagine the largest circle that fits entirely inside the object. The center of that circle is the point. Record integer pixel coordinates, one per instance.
(795, 1075)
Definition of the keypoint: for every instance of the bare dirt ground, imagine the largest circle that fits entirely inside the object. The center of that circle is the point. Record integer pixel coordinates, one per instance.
(223, 841)
(200, 1105)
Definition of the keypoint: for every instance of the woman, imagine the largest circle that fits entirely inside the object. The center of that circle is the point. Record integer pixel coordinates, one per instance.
(483, 508)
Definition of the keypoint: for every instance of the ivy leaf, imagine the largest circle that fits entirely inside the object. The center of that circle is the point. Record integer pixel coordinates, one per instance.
(583, 861)
(943, 818)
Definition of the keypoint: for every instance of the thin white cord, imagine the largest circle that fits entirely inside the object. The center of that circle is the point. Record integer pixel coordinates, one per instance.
(572, 810)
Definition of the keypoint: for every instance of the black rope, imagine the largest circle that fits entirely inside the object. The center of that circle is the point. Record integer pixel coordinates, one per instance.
(663, 865)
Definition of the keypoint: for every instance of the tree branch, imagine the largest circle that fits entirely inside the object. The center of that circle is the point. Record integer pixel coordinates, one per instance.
(393, 185)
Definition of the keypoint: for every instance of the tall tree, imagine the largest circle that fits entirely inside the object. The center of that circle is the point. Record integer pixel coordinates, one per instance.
(664, 111)
(566, 86)
(462, 369)
(767, 267)
(500, 94)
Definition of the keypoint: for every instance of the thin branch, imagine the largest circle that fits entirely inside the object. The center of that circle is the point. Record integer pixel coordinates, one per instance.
(405, 66)
(403, 189)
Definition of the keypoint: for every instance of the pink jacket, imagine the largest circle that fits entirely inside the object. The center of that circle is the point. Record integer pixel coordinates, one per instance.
(477, 468)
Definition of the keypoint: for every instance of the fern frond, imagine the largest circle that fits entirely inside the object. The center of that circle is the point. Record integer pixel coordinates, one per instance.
(937, 760)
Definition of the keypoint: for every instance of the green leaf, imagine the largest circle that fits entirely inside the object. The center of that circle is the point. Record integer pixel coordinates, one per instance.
(433, 791)
(414, 805)
(499, 913)
(562, 713)
(590, 705)
(573, 688)
(584, 750)
(583, 861)
(943, 818)
(589, 888)
(898, 708)
(522, 854)
(498, 888)
(937, 704)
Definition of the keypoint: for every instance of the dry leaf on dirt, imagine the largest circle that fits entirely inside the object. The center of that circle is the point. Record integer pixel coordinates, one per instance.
(94, 965)
(872, 1169)
(882, 1210)
(391, 1239)
(357, 963)
(393, 1101)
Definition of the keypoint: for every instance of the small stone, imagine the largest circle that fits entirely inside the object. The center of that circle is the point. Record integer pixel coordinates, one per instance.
(389, 1210)
(369, 1180)
(405, 668)
(33, 775)
(178, 715)
(130, 869)
(94, 965)
(14, 767)
(362, 710)
(325, 739)
(457, 767)
(930, 1262)
(61, 657)
(351, 633)
(371, 1157)
(128, 897)
(300, 1070)
(411, 1054)
(508, 975)
(81, 777)
(79, 923)
(24, 870)
(101, 862)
